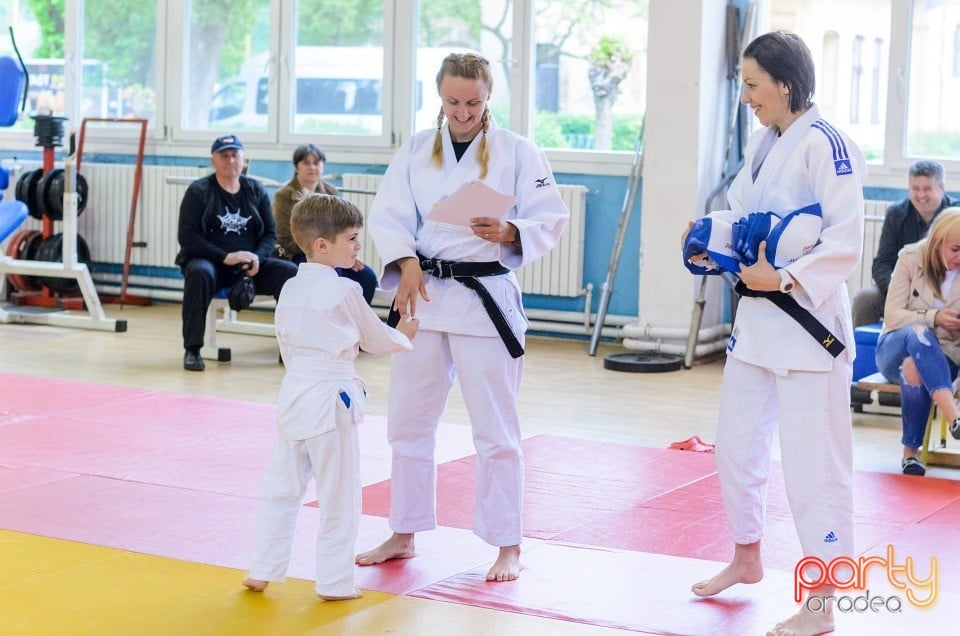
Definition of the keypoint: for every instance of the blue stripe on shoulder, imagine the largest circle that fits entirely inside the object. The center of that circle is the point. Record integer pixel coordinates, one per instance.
(835, 138)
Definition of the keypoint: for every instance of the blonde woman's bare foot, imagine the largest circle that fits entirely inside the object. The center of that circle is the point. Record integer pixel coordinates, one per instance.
(255, 584)
(398, 546)
(730, 575)
(324, 597)
(804, 623)
(745, 568)
(507, 565)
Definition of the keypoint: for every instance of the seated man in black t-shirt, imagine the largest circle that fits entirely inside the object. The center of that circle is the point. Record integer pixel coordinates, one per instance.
(906, 222)
(226, 230)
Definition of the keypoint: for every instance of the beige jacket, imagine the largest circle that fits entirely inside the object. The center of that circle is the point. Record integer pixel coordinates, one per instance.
(283, 202)
(910, 300)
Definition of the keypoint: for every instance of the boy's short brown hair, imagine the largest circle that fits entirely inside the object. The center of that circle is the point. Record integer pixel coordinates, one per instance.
(322, 215)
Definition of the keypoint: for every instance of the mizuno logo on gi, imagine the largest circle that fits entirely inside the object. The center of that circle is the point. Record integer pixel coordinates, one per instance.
(842, 167)
(542, 183)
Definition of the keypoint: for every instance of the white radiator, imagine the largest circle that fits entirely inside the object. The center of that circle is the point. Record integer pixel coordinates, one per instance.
(874, 212)
(368, 182)
(103, 224)
(559, 273)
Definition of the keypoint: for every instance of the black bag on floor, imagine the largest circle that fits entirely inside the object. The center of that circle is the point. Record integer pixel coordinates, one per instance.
(241, 293)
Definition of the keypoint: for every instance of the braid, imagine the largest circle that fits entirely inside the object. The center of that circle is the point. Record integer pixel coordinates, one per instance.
(436, 157)
(483, 152)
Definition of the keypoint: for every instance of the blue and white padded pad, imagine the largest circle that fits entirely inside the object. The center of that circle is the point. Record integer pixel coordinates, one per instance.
(728, 245)
(713, 237)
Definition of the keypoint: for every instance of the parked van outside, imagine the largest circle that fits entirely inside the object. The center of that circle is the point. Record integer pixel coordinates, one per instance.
(339, 91)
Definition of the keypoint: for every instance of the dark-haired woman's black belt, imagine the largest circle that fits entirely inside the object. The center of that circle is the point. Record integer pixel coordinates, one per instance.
(467, 274)
(812, 326)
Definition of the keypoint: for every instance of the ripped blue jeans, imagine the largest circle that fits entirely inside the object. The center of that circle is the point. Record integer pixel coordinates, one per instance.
(936, 370)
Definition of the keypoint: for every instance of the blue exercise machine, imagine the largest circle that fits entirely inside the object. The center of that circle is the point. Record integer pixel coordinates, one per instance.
(13, 99)
(14, 81)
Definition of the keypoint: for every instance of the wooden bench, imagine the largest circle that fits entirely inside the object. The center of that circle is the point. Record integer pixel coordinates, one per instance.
(939, 454)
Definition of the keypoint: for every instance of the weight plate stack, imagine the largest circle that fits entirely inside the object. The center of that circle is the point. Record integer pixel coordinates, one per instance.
(51, 249)
(51, 189)
(26, 191)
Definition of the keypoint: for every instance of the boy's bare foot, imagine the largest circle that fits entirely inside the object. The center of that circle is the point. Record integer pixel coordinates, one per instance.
(324, 597)
(745, 568)
(507, 565)
(398, 546)
(255, 584)
(804, 623)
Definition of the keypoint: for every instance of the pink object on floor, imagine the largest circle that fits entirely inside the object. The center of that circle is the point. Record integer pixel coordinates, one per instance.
(694, 444)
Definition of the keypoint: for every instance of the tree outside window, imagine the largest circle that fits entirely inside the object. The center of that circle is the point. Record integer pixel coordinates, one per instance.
(591, 73)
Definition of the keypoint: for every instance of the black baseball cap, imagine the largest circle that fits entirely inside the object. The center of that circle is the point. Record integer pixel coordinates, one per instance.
(225, 143)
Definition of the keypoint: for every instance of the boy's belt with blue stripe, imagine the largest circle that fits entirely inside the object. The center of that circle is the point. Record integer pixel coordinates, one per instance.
(812, 326)
(467, 274)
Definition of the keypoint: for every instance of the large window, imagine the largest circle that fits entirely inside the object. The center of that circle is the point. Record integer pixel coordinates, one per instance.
(837, 32)
(358, 75)
(933, 128)
(338, 68)
(590, 75)
(119, 69)
(229, 78)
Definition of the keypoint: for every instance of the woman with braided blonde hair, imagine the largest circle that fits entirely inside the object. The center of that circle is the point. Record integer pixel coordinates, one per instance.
(471, 318)
(467, 65)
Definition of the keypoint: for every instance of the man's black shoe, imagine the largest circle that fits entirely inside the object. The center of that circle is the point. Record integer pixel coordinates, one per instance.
(192, 360)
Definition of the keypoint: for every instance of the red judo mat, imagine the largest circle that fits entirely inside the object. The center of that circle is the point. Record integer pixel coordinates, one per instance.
(568, 483)
(616, 533)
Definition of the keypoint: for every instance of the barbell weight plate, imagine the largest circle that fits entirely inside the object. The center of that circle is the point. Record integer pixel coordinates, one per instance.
(643, 362)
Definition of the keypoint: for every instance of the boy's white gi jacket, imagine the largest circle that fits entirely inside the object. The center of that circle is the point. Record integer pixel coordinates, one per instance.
(321, 322)
(812, 162)
(413, 184)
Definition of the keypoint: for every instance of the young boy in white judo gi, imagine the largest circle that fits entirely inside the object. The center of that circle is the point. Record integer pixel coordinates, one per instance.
(321, 322)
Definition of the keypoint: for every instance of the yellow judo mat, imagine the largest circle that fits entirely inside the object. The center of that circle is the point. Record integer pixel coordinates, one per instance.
(52, 586)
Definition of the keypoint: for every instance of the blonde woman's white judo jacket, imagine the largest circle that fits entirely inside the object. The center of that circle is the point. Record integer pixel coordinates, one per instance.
(413, 184)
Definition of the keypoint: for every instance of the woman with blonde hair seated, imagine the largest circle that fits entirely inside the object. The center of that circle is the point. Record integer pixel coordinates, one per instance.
(919, 346)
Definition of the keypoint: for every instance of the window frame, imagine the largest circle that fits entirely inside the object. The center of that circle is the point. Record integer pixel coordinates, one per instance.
(167, 138)
(892, 170)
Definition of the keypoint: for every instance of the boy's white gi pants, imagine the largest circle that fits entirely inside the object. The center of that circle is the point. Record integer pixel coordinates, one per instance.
(333, 459)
